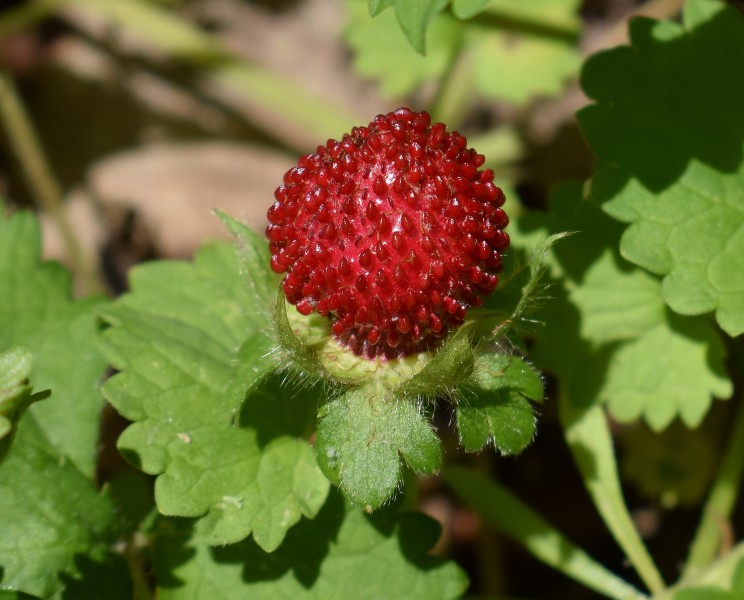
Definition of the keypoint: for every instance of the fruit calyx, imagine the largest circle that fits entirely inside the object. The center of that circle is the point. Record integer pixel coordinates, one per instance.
(393, 233)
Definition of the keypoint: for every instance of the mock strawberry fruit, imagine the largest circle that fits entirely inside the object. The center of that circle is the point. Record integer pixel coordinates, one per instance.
(393, 232)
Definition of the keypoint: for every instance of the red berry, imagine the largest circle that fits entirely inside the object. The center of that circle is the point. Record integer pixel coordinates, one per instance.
(392, 232)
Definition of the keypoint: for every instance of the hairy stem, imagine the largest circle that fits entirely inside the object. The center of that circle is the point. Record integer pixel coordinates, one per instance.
(717, 510)
(27, 148)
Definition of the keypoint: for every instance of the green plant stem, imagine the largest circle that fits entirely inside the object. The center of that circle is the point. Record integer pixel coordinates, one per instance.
(25, 143)
(588, 436)
(500, 508)
(717, 510)
(455, 88)
(133, 555)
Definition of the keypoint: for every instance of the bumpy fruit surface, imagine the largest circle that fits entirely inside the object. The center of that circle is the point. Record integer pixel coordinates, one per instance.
(393, 232)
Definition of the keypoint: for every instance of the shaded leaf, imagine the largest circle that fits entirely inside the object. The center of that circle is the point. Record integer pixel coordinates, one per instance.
(514, 50)
(52, 518)
(495, 408)
(673, 467)
(675, 368)
(674, 176)
(340, 552)
(382, 52)
(626, 348)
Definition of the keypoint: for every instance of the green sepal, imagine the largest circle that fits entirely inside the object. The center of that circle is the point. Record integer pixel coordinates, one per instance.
(254, 257)
(494, 407)
(521, 291)
(296, 355)
(365, 436)
(451, 365)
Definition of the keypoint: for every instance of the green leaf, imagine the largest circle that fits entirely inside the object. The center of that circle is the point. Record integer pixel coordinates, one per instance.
(495, 408)
(626, 348)
(383, 53)
(617, 301)
(674, 176)
(681, 384)
(340, 552)
(377, 6)
(674, 467)
(530, 51)
(414, 17)
(363, 438)
(13, 595)
(254, 255)
(15, 393)
(228, 444)
(465, 9)
(514, 51)
(57, 530)
(36, 311)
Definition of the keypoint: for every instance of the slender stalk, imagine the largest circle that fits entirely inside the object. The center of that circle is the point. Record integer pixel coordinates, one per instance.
(455, 87)
(25, 143)
(133, 556)
(500, 508)
(717, 510)
(588, 436)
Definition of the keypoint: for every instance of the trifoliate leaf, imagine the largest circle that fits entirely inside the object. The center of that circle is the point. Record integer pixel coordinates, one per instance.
(56, 529)
(414, 18)
(366, 435)
(626, 349)
(226, 442)
(677, 177)
(673, 369)
(495, 408)
(36, 311)
(525, 49)
(515, 50)
(15, 393)
(383, 53)
(341, 553)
